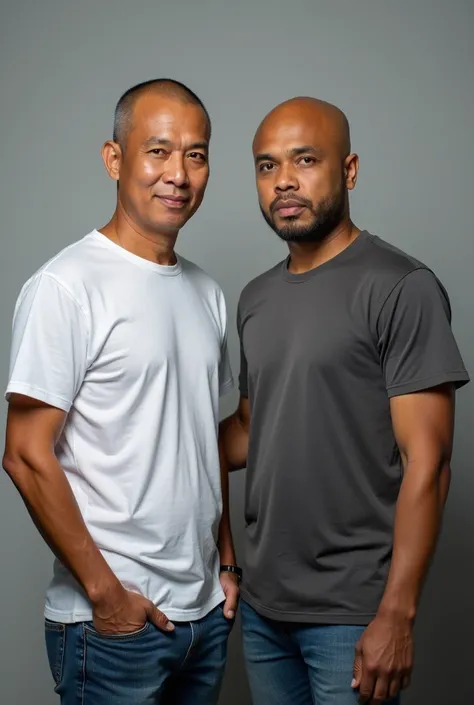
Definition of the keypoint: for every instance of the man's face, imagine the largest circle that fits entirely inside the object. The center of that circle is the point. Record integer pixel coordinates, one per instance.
(164, 166)
(300, 177)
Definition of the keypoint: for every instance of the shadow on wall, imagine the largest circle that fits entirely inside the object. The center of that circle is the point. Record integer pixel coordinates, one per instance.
(444, 634)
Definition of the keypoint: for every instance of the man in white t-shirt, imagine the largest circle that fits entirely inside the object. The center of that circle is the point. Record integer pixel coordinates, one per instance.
(118, 359)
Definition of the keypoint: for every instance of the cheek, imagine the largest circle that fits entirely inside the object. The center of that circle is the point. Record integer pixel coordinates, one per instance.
(198, 183)
(148, 172)
(265, 192)
(317, 185)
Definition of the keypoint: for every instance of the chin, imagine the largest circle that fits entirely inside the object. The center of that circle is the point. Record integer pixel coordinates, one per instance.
(172, 221)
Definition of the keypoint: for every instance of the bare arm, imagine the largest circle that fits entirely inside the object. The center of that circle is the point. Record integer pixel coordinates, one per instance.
(423, 426)
(234, 437)
(233, 444)
(33, 429)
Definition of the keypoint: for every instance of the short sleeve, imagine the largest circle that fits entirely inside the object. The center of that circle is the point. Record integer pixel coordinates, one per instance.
(416, 344)
(226, 380)
(49, 344)
(243, 375)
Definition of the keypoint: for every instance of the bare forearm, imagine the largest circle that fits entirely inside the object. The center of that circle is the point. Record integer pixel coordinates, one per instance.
(417, 524)
(225, 542)
(53, 508)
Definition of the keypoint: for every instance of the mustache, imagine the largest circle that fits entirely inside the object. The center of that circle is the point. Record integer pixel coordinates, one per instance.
(279, 200)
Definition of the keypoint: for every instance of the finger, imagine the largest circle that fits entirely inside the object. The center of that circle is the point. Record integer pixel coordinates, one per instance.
(394, 687)
(381, 689)
(357, 669)
(367, 685)
(160, 620)
(406, 680)
(231, 602)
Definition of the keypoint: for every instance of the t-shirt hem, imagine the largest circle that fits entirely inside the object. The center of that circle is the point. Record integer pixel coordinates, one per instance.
(172, 614)
(306, 616)
(30, 390)
(457, 377)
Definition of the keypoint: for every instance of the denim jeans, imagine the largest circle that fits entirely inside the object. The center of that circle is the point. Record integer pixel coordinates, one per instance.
(299, 664)
(184, 667)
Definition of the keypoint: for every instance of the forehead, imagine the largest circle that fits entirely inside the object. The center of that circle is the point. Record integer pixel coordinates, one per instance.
(168, 117)
(282, 133)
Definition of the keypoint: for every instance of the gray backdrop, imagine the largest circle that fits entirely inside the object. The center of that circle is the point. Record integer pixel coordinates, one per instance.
(401, 72)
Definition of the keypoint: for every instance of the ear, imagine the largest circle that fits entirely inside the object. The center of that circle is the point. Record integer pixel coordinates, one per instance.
(351, 170)
(112, 157)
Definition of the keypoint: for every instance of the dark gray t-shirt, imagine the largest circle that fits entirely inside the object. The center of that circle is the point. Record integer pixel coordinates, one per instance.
(322, 353)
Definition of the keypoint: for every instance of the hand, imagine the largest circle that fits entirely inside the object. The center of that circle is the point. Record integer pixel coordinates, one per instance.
(124, 612)
(230, 585)
(384, 659)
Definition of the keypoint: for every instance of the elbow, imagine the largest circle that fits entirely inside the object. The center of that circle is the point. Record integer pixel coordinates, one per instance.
(17, 468)
(13, 465)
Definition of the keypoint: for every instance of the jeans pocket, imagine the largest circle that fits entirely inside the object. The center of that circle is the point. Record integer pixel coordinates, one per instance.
(55, 635)
(129, 636)
(229, 620)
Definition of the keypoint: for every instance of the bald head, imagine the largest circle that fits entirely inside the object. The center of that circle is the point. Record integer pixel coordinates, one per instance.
(329, 121)
(165, 87)
(304, 169)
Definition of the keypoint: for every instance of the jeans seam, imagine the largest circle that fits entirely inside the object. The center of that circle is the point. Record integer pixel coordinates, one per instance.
(118, 637)
(57, 668)
(191, 644)
(63, 650)
(84, 648)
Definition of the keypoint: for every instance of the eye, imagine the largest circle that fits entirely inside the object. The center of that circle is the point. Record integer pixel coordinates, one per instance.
(265, 167)
(307, 161)
(158, 151)
(198, 156)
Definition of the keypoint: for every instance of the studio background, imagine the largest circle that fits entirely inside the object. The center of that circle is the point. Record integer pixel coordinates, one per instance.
(400, 70)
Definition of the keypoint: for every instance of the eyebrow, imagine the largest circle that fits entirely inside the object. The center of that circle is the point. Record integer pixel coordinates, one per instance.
(305, 149)
(167, 143)
(263, 158)
(295, 152)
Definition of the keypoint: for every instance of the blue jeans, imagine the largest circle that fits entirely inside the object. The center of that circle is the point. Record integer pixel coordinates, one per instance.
(299, 664)
(148, 667)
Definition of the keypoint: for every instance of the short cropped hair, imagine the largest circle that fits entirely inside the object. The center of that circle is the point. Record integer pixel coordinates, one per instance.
(165, 86)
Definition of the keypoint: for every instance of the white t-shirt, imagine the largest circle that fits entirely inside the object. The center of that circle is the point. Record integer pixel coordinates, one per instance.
(136, 353)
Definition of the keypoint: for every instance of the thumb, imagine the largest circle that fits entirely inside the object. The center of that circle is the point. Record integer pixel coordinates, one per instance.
(160, 620)
(357, 669)
(230, 604)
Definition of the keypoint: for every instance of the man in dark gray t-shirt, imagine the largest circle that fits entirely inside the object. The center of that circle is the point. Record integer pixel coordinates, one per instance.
(348, 366)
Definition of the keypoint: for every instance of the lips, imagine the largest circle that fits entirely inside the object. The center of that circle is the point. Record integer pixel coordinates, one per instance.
(288, 204)
(175, 202)
(289, 208)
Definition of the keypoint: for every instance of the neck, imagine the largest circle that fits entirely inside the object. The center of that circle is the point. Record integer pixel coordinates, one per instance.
(309, 255)
(151, 245)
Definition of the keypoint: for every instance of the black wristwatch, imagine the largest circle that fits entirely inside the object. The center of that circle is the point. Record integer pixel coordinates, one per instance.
(232, 569)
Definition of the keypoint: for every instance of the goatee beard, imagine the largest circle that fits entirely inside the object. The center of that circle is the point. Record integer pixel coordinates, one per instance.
(326, 217)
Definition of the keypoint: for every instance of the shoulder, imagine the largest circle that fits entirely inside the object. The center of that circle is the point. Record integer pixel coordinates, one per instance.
(386, 260)
(206, 288)
(200, 279)
(388, 270)
(65, 274)
(419, 290)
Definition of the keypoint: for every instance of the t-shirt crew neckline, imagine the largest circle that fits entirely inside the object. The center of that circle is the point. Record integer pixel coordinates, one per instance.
(348, 252)
(163, 269)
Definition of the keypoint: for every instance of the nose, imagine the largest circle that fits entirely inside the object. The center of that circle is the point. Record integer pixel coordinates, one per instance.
(176, 173)
(286, 179)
